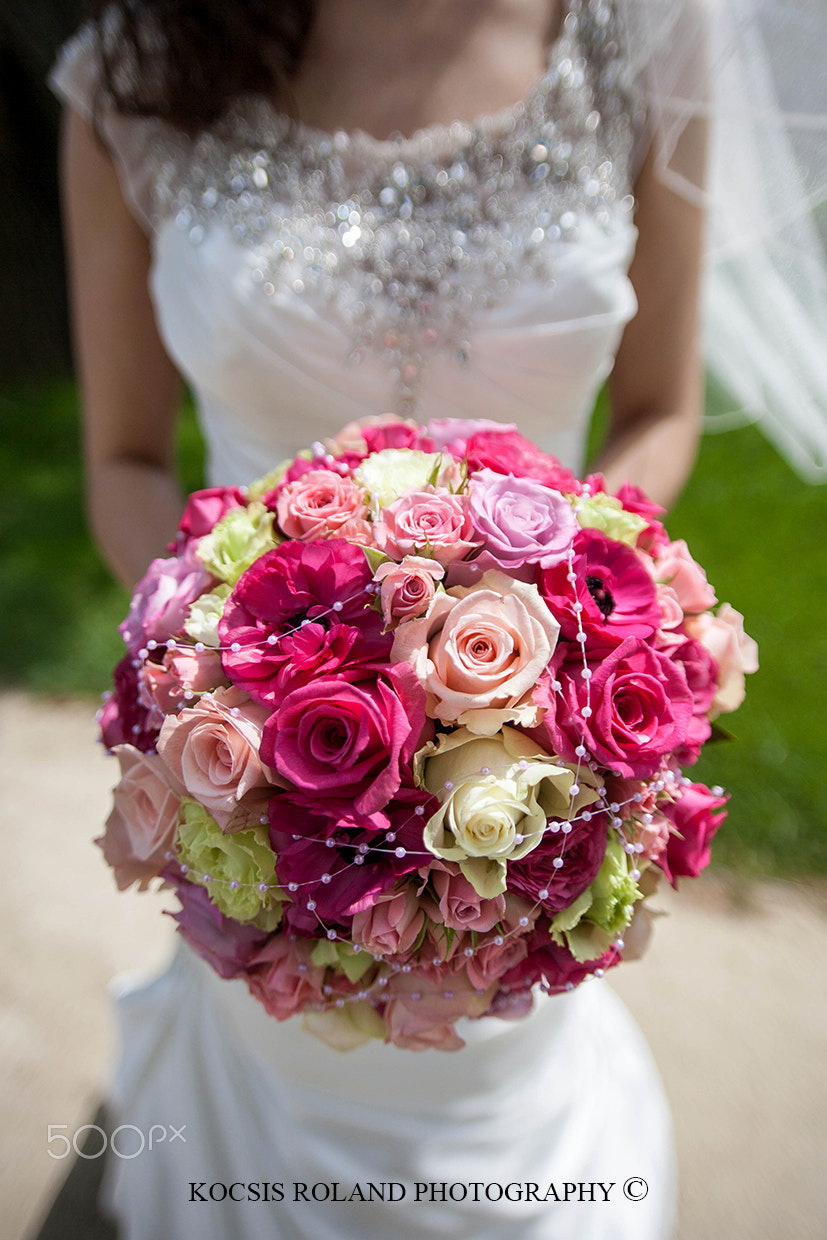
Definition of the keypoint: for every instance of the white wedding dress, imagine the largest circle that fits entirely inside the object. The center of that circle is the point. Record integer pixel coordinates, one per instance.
(300, 281)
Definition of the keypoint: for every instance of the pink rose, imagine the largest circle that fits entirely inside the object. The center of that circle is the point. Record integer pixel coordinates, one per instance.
(206, 508)
(458, 905)
(498, 953)
(407, 588)
(521, 523)
(480, 651)
(141, 827)
(732, 649)
(675, 567)
(183, 670)
(432, 520)
(322, 504)
(391, 925)
(162, 598)
(348, 741)
(282, 976)
(211, 752)
(635, 709)
(696, 815)
(423, 1007)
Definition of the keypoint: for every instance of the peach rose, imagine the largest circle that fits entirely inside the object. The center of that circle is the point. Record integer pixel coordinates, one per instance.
(430, 520)
(323, 504)
(211, 752)
(141, 827)
(407, 588)
(676, 568)
(735, 652)
(479, 652)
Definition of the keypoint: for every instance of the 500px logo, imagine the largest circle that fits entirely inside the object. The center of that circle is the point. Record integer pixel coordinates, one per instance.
(125, 1141)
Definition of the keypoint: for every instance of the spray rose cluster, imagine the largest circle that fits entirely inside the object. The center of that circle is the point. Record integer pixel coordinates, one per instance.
(403, 723)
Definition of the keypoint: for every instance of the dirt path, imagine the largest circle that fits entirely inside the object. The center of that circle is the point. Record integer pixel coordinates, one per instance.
(731, 995)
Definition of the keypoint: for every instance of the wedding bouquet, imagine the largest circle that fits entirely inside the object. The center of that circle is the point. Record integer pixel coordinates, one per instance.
(402, 725)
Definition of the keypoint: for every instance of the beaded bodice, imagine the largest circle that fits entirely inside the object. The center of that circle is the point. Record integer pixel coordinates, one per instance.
(409, 240)
(302, 279)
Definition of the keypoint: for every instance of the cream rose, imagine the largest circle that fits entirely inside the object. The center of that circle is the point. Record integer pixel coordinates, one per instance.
(496, 794)
(211, 752)
(735, 652)
(479, 652)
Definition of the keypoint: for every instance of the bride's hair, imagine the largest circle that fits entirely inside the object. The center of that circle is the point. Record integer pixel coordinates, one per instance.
(185, 60)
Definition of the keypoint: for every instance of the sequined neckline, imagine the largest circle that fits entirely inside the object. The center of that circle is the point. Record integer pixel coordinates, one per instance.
(264, 117)
(407, 242)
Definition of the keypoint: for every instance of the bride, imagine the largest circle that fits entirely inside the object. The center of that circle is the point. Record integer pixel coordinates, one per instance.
(313, 212)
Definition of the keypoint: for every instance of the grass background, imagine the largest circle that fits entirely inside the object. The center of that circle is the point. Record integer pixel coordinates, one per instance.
(758, 530)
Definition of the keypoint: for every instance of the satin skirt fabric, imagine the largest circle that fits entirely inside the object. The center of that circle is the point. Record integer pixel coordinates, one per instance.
(539, 1129)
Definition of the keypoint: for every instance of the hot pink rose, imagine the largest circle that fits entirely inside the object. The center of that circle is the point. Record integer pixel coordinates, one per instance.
(452, 434)
(506, 451)
(480, 651)
(141, 827)
(537, 878)
(733, 650)
(282, 976)
(635, 708)
(696, 815)
(322, 504)
(407, 588)
(432, 520)
(554, 965)
(206, 508)
(211, 751)
(391, 925)
(701, 672)
(346, 740)
(676, 568)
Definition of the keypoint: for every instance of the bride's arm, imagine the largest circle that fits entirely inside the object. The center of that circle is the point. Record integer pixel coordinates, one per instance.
(130, 390)
(656, 387)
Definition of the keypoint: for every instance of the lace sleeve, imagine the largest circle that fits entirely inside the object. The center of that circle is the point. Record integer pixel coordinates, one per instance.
(75, 79)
